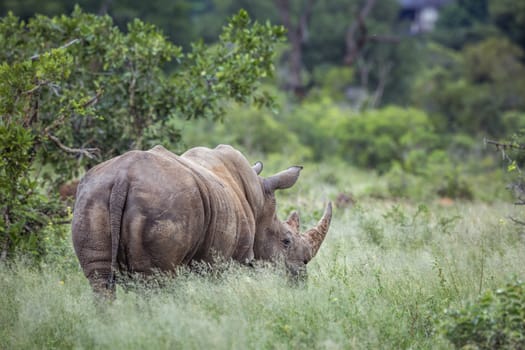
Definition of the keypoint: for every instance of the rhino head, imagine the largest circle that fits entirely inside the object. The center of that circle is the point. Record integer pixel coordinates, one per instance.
(282, 240)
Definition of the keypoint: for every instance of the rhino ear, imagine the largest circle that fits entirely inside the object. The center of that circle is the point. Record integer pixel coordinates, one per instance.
(294, 222)
(283, 180)
(257, 167)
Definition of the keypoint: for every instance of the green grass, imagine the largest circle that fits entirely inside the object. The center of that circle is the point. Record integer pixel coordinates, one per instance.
(382, 279)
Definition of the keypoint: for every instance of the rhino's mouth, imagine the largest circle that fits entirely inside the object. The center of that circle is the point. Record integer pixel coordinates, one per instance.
(297, 275)
(296, 269)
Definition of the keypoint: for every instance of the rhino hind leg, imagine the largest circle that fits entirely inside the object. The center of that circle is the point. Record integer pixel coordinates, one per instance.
(103, 284)
(92, 243)
(96, 265)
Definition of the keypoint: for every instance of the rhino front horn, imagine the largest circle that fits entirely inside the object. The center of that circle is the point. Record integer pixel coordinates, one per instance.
(316, 235)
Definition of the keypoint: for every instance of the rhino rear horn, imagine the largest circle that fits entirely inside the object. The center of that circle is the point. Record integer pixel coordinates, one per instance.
(283, 180)
(316, 235)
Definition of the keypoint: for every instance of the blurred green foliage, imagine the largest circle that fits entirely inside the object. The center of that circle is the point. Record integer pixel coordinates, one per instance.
(465, 74)
(317, 131)
(378, 138)
(324, 41)
(508, 16)
(172, 17)
(472, 90)
(494, 321)
(471, 83)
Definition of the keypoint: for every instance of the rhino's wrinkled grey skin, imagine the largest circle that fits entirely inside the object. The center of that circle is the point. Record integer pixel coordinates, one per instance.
(153, 210)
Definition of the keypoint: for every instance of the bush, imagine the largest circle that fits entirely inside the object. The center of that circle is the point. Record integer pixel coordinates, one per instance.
(316, 124)
(331, 81)
(403, 184)
(24, 209)
(379, 138)
(495, 321)
(468, 91)
(75, 90)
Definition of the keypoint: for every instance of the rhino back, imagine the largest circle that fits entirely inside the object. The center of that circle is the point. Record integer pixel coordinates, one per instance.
(231, 217)
(175, 211)
(234, 170)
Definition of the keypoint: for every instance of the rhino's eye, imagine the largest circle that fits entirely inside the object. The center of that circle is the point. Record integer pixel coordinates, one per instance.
(286, 242)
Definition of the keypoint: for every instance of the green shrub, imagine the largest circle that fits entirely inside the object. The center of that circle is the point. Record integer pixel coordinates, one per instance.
(403, 184)
(448, 179)
(495, 321)
(24, 209)
(469, 90)
(423, 176)
(331, 81)
(316, 124)
(378, 138)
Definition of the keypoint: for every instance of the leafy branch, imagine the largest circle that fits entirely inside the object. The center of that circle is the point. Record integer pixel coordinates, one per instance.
(66, 45)
(91, 153)
(505, 145)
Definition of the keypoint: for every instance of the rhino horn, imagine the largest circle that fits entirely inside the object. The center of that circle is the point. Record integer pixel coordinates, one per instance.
(316, 235)
(283, 180)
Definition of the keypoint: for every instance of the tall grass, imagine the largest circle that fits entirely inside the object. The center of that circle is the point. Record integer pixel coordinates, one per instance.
(382, 279)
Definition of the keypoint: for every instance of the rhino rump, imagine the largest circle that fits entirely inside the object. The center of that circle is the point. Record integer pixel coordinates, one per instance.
(174, 212)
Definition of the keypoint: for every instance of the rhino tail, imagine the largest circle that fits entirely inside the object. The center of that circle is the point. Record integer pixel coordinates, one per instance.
(117, 201)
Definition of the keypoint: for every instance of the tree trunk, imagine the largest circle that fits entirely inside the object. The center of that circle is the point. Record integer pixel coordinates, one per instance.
(297, 34)
(356, 35)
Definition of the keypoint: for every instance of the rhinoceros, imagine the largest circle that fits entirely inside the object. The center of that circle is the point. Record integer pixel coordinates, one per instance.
(147, 211)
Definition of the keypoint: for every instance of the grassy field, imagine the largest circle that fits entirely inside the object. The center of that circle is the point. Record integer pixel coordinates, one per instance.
(383, 279)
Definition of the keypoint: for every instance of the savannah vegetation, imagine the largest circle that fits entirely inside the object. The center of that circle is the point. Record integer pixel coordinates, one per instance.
(418, 139)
